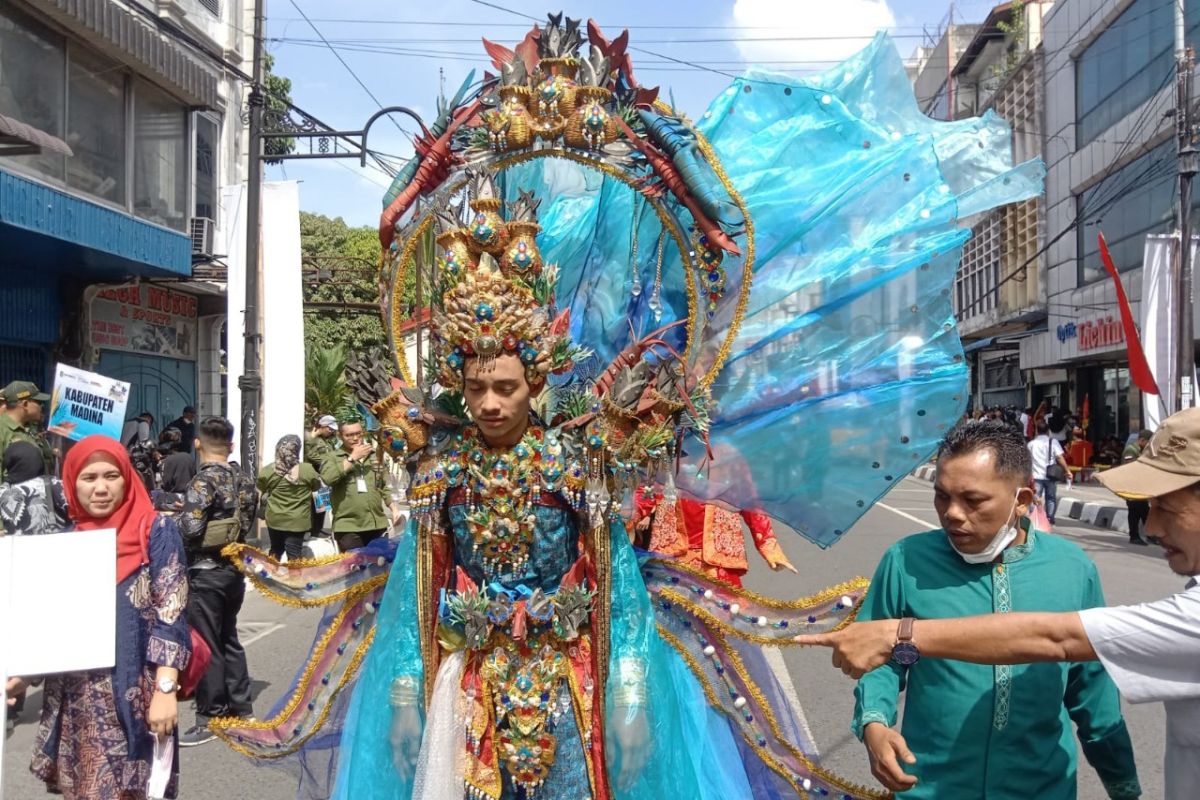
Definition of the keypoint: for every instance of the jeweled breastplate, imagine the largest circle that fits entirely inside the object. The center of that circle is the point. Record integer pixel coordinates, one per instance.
(500, 489)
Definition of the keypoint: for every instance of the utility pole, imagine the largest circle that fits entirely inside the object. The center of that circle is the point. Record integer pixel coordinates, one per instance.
(250, 383)
(1185, 351)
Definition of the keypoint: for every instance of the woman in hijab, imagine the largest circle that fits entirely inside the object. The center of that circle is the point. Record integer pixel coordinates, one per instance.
(287, 485)
(31, 502)
(96, 736)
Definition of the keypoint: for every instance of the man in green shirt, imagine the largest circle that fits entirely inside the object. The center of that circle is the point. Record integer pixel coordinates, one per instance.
(357, 490)
(1139, 510)
(23, 410)
(981, 731)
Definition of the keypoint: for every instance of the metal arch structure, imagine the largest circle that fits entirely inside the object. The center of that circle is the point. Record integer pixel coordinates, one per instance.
(324, 141)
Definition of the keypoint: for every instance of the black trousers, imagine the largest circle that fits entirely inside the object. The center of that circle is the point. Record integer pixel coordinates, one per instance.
(290, 542)
(352, 540)
(1139, 510)
(214, 599)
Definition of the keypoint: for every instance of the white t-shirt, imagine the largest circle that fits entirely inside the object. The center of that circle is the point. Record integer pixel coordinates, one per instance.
(1044, 451)
(1152, 653)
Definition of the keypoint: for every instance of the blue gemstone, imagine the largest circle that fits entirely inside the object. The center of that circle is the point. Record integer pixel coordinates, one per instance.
(812, 619)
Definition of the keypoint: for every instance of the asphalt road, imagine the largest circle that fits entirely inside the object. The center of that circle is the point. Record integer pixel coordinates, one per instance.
(277, 638)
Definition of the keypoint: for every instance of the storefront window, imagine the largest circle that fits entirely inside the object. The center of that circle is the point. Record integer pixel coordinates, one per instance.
(1127, 64)
(206, 166)
(32, 84)
(1116, 402)
(96, 127)
(160, 158)
(1141, 195)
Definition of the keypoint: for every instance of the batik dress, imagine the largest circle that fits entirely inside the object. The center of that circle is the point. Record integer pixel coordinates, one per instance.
(93, 742)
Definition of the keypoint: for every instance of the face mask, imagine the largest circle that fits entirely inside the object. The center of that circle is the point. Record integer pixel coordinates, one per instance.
(1003, 538)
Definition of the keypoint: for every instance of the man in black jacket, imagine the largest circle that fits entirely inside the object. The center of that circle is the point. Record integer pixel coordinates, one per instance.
(187, 428)
(218, 508)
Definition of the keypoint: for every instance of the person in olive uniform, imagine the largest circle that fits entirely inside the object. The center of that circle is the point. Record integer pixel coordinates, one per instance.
(286, 486)
(357, 490)
(23, 409)
(319, 442)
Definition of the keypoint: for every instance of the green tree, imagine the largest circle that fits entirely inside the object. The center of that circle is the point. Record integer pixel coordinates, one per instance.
(342, 271)
(277, 104)
(325, 389)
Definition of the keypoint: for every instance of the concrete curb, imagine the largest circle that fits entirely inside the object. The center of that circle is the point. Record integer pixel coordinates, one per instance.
(1106, 516)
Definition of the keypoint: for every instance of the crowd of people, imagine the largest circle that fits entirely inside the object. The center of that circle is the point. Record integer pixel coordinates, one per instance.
(1061, 452)
(176, 501)
(176, 593)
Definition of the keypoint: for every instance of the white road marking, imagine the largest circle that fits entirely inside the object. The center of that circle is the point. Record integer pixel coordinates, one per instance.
(775, 662)
(267, 628)
(905, 514)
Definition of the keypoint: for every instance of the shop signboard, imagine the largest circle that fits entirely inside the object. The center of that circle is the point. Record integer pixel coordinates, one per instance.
(144, 318)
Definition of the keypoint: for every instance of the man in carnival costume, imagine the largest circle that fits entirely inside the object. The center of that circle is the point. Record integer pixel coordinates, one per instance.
(511, 644)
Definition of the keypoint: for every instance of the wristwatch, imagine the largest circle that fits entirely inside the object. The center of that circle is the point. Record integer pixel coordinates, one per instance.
(905, 652)
(167, 686)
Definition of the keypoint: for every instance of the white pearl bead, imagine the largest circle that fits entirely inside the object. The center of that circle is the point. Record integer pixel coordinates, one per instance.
(708, 595)
(381, 561)
(739, 703)
(806, 783)
(762, 622)
(847, 601)
(734, 609)
(708, 651)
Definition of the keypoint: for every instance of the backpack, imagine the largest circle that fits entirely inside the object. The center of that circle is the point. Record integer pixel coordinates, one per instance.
(221, 532)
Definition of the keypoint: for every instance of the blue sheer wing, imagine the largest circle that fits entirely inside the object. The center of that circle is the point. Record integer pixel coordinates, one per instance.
(847, 347)
(855, 199)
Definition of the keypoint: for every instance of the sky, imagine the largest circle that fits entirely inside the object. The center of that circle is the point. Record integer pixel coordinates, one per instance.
(404, 53)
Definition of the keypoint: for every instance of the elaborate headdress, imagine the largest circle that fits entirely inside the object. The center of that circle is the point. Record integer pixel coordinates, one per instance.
(496, 296)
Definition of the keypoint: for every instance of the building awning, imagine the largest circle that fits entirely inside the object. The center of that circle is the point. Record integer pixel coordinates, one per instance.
(1002, 339)
(979, 344)
(19, 139)
(135, 39)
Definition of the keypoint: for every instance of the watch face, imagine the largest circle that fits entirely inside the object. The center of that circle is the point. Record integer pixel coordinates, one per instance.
(906, 654)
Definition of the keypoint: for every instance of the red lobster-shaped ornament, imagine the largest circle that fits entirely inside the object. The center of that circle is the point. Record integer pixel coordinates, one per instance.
(671, 180)
(436, 161)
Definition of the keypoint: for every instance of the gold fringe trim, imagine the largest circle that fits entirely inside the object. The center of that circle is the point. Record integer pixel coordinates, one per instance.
(398, 317)
(739, 312)
(584, 725)
(710, 619)
(767, 758)
(234, 551)
(799, 604)
(221, 725)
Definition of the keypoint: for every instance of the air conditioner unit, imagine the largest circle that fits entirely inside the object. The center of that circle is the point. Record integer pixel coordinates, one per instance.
(203, 234)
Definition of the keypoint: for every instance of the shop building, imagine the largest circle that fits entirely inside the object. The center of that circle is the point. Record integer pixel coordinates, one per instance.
(98, 237)
(1111, 166)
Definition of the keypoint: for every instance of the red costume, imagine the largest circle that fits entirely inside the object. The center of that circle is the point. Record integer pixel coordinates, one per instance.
(703, 536)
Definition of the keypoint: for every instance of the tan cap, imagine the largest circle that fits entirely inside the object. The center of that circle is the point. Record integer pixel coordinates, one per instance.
(1170, 462)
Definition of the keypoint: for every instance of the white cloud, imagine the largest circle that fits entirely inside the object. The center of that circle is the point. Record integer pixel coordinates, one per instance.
(830, 21)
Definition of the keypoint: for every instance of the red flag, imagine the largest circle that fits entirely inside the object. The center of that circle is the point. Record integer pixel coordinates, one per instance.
(1139, 370)
(1086, 412)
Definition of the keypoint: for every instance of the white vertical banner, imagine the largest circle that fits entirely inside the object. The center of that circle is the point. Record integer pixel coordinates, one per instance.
(1160, 309)
(282, 318)
(231, 237)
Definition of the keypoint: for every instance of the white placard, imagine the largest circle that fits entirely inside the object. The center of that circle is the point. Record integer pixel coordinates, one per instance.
(58, 602)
